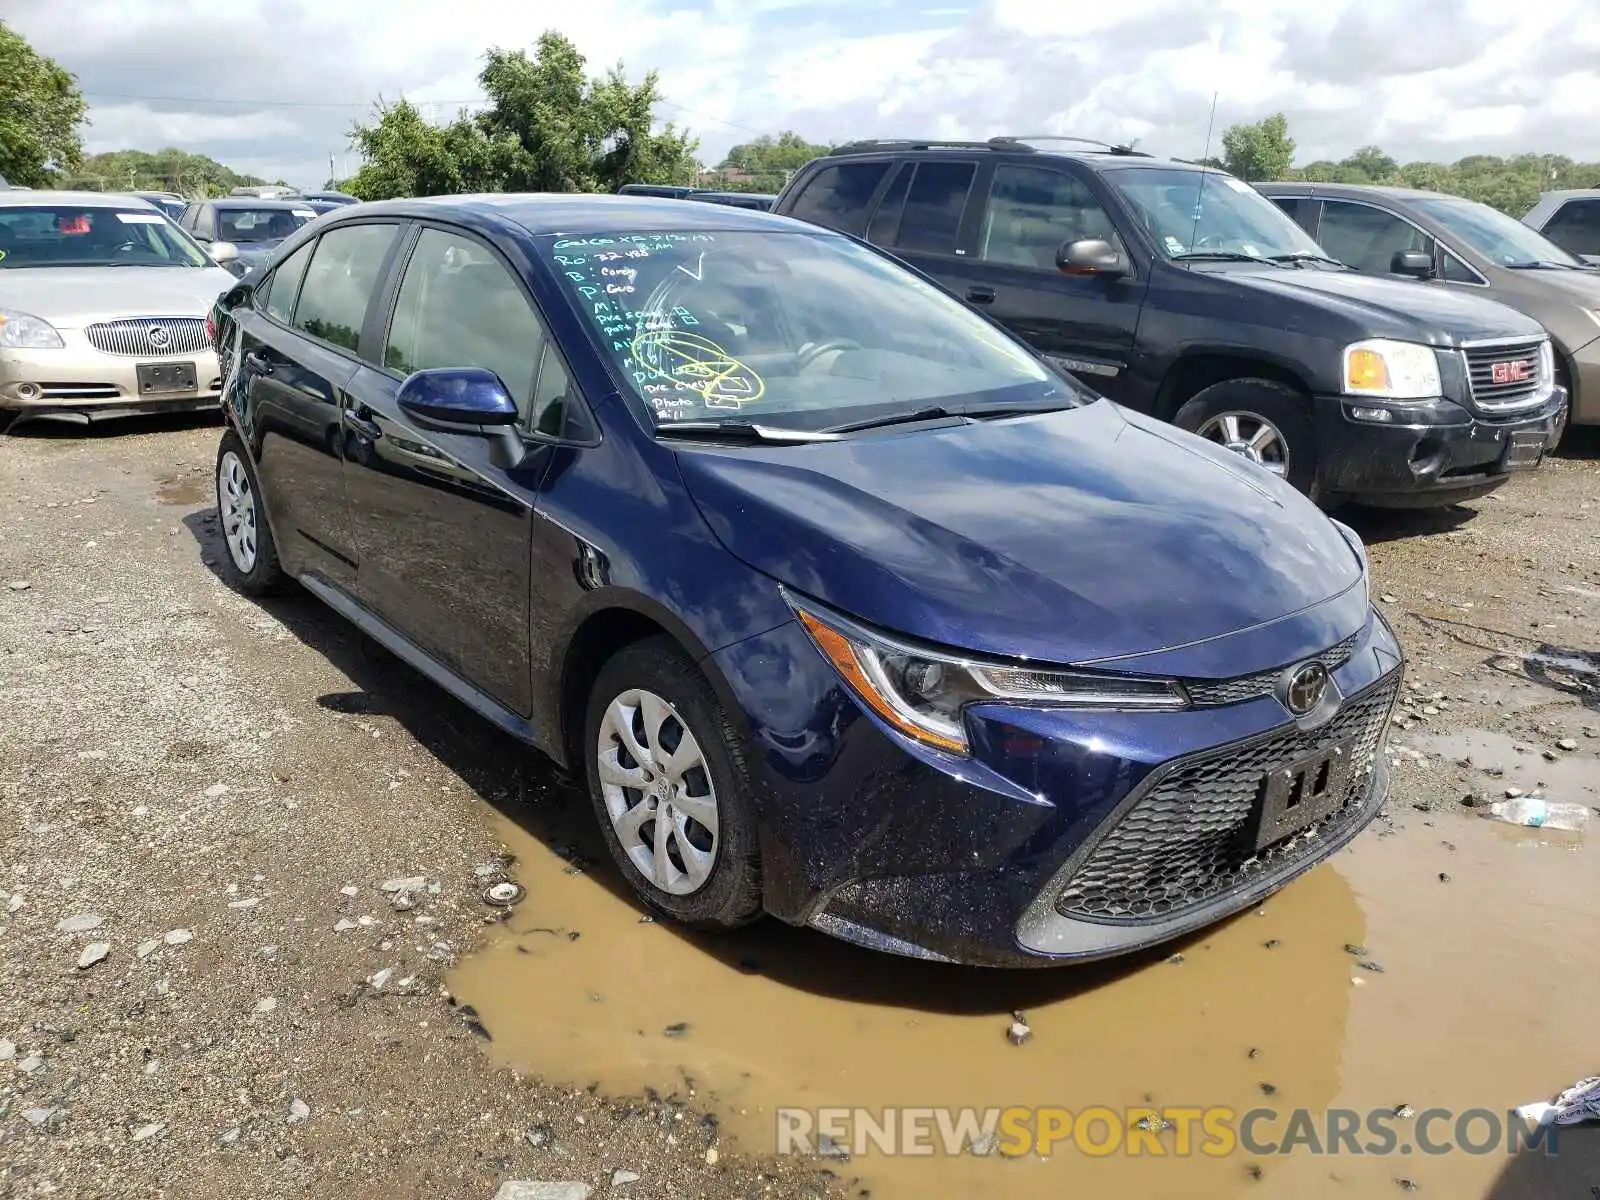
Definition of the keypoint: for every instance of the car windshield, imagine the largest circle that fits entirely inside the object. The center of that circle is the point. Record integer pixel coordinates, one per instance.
(67, 235)
(793, 330)
(1195, 212)
(1499, 238)
(260, 224)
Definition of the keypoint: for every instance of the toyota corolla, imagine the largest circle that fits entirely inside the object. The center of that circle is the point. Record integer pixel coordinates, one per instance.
(847, 607)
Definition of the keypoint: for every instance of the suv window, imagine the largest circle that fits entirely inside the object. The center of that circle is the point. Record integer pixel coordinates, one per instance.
(886, 220)
(459, 307)
(934, 205)
(1575, 227)
(1033, 211)
(1367, 238)
(339, 282)
(839, 196)
(284, 284)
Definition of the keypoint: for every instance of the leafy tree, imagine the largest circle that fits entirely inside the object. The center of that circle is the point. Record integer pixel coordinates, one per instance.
(547, 128)
(1261, 151)
(765, 164)
(169, 170)
(41, 110)
(1371, 162)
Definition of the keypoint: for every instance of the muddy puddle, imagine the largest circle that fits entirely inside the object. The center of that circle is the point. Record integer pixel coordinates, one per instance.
(1497, 761)
(194, 488)
(1485, 998)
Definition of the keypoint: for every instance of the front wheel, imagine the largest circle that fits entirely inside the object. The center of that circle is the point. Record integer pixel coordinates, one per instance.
(1265, 421)
(671, 789)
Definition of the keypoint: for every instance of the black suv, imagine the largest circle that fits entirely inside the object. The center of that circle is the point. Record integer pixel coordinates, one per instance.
(1181, 291)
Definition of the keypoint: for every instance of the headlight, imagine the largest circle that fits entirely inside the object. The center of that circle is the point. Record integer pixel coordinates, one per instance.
(1547, 370)
(1391, 370)
(921, 692)
(23, 331)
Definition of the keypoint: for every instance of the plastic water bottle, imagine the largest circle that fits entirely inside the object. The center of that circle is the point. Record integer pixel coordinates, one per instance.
(1538, 813)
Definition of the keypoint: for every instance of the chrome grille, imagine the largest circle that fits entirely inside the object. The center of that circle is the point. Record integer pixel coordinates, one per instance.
(1208, 693)
(149, 337)
(1186, 839)
(1506, 377)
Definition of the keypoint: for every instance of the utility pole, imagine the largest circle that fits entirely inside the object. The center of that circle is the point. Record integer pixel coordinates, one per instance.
(331, 173)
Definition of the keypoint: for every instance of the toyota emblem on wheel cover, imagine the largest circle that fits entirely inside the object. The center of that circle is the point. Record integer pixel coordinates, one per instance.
(1304, 688)
(157, 336)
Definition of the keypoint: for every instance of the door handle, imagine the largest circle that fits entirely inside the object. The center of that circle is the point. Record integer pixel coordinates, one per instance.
(254, 362)
(980, 294)
(367, 429)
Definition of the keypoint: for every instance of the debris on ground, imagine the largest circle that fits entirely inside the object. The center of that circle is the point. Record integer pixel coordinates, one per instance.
(504, 894)
(1019, 1031)
(1580, 1102)
(527, 1189)
(1535, 812)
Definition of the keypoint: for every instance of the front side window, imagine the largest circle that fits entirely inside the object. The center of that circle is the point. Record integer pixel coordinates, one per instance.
(805, 330)
(1368, 238)
(1206, 213)
(283, 285)
(459, 307)
(839, 196)
(340, 281)
(1499, 238)
(1034, 211)
(1576, 227)
(67, 235)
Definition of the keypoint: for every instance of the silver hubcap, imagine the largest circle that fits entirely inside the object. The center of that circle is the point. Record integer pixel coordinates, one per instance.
(237, 505)
(1251, 435)
(658, 792)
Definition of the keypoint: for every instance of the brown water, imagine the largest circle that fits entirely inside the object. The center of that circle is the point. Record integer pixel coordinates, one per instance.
(1487, 998)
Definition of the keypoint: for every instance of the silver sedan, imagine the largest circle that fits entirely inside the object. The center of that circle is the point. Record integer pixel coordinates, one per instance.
(103, 308)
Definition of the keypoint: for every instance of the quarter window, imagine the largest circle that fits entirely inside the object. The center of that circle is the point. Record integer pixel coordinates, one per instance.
(1367, 238)
(459, 307)
(839, 197)
(340, 280)
(284, 285)
(1034, 211)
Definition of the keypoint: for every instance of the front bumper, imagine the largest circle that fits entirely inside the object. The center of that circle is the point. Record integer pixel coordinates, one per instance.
(1066, 835)
(78, 378)
(1426, 454)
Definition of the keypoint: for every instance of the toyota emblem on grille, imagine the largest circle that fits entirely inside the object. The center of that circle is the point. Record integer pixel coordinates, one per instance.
(1304, 687)
(157, 336)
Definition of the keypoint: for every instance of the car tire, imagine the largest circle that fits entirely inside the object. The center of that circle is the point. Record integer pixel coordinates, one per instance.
(1252, 404)
(249, 555)
(656, 692)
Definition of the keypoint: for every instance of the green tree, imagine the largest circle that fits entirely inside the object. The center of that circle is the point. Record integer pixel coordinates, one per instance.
(1370, 165)
(547, 128)
(1262, 151)
(765, 164)
(168, 170)
(41, 111)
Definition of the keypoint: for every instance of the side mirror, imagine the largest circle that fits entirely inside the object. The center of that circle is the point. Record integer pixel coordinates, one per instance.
(1416, 264)
(1090, 256)
(458, 396)
(222, 253)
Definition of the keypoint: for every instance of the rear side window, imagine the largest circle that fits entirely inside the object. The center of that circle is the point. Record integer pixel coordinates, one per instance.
(885, 225)
(284, 285)
(340, 281)
(459, 307)
(839, 196)
(1575, 227)
(934, 205)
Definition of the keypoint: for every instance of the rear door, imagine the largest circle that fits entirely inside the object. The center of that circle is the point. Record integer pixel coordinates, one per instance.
(443, 519)
(297, 353)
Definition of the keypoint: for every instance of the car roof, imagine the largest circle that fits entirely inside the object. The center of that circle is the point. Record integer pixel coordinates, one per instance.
(256, 203)
(19, 199)
(1570, 194)
(1353, 190)
(584, 213)
(1102, 155)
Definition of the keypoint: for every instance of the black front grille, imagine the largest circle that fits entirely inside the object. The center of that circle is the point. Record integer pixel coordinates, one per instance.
(149, 337)
(1186, 839)
(1209, 693)
(1506, 377)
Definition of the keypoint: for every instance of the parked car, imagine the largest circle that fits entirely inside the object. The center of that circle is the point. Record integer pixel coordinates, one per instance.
(267, 191)
(670, 191)
(240, 232)
(846, 605)
(762, 201)
(1571, 220)
(170, 204)
(1180, 292)
(103, 303)
(334, 198)
(1463, 247)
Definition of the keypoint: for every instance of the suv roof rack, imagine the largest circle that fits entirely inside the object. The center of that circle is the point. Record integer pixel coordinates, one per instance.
(1010, 142)
(1016, 139)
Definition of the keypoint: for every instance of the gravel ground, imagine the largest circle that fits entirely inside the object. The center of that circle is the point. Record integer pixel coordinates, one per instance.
(205, 989)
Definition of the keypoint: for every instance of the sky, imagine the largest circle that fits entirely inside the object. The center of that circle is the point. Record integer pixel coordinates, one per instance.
(271, 87)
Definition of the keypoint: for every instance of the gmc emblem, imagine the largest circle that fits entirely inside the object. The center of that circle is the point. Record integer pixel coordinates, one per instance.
(1519, 371)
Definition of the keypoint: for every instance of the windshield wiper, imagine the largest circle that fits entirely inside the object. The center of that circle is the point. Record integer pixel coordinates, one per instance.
(1544, 264)
(968, 413)
(1224, 256)
(1305, 256)
(742, 431)
(932, 412)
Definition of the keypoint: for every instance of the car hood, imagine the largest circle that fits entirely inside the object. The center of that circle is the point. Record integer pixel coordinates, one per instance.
(1413, 312)
(72, 297)
(1067, 537)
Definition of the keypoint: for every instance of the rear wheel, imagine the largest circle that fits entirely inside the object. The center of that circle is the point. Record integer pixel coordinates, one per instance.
(250, 558)
(1260, 419)
(670, 788)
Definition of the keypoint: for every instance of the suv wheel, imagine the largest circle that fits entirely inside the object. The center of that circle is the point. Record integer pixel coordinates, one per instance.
(250, 559)
(670, 788)
(1265, 421)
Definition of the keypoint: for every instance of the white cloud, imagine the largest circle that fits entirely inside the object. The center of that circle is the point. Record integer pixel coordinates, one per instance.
(1422, 78)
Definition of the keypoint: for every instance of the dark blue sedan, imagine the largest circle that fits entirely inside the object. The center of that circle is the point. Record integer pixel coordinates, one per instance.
(849, 608)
